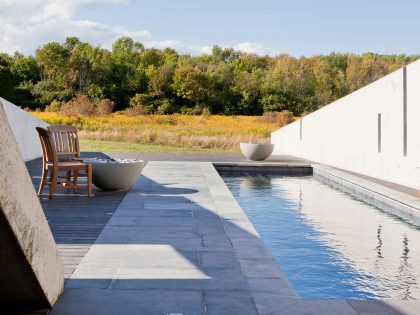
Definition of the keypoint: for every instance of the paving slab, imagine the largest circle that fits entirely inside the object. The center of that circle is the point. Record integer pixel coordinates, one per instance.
(228, 302)
(110, 302)
(271, 304)
(386, 307)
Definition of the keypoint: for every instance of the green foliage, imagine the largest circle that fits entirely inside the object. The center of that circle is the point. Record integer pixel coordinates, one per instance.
(46, 91)
(6, 76)
(55, 106)
(149, 80)
(26, 69)
(166, 107)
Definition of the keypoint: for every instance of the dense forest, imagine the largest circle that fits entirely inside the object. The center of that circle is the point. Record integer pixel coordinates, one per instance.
(162, 81)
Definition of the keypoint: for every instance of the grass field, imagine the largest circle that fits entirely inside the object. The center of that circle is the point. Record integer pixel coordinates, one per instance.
(165, 133)
(118, 146)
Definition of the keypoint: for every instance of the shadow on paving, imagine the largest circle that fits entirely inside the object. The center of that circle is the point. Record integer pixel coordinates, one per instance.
(180, 261)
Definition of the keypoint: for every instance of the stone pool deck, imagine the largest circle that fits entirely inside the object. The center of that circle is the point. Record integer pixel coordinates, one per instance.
(178, 242)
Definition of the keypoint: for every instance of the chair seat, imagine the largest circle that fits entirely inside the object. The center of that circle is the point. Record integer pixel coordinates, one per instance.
(68, 165)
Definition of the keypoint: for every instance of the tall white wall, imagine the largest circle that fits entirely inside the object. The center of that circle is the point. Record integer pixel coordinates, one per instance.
(23, 126)
(344, 134)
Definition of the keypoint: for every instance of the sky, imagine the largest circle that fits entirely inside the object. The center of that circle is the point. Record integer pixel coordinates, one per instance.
(295, 27)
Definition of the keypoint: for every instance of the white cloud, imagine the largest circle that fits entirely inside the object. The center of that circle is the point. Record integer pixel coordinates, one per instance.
(247, 47)
(27, 24)
(178, 46)
(254, 48)
(206, 49)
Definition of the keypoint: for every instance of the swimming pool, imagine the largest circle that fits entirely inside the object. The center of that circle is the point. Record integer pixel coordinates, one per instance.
(330, 245)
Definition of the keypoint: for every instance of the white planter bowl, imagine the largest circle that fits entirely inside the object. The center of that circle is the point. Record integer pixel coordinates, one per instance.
(256, 151)
(116, 175)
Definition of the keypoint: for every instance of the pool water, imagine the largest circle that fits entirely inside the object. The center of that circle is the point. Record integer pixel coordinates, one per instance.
(330, 245)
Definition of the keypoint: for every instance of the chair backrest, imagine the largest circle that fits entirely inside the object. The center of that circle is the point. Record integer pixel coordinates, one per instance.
(49, 152)
(65, 139)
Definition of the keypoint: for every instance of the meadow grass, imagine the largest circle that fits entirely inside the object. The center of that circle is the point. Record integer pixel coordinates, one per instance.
(215, 132)
(117, 146)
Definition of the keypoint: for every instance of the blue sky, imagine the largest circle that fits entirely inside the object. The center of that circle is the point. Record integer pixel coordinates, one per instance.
(299, 27)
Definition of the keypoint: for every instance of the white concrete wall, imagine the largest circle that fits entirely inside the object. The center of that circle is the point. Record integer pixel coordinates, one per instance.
(344, 133)
(31, 271)
(23, 125)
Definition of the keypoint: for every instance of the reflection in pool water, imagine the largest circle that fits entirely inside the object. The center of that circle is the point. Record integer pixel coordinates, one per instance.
(330, 245)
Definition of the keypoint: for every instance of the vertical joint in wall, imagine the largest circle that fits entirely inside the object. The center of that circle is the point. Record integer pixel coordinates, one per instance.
(300, 128)
(379, 133)
(405, 111)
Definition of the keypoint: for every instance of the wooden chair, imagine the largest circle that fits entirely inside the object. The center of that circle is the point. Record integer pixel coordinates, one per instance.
(52, 165)
(67, 145)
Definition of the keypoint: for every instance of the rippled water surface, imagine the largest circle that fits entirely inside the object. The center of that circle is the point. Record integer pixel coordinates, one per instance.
(330, 245)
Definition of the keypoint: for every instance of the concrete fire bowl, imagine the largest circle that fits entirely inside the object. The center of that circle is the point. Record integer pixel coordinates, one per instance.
(256, 151)
(115, 174)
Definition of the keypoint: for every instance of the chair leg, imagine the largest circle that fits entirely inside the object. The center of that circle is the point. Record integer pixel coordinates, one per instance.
(43, 179)
(68, 178)
(89, 179)
(75, 182)
(53, 183)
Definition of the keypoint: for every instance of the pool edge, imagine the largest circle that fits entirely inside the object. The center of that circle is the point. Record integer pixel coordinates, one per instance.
(384, 198)
(261, 270)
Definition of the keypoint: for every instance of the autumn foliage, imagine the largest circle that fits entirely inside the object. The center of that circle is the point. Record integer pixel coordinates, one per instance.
(153, 81)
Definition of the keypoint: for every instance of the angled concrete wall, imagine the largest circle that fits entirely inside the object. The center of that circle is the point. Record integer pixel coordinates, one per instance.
(23, 125)
(31, 272)
(347, 133)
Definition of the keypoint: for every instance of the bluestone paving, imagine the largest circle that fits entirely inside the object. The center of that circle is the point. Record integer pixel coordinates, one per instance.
(229, 302)
(386, 307)
(111, 302)
(169, 237)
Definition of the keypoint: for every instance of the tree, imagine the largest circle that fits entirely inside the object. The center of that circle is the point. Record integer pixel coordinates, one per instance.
(126, 51)
(219, 54)
(191, 83)
(225, 81)
(26, 69)
(129, 76)
(6, 76)
(53, 59)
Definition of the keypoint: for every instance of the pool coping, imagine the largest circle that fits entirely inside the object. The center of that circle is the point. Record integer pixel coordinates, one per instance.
(263, 281)
(387, 199)
(264, 168)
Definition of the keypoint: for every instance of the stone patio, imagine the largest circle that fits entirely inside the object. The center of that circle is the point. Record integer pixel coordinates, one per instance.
(178, 242)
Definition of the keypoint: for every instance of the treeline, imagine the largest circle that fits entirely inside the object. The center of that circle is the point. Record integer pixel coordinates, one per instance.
(163, 81)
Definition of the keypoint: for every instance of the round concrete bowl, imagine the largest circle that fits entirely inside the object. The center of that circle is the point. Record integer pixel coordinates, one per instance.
(256, 151)
(116, 175)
